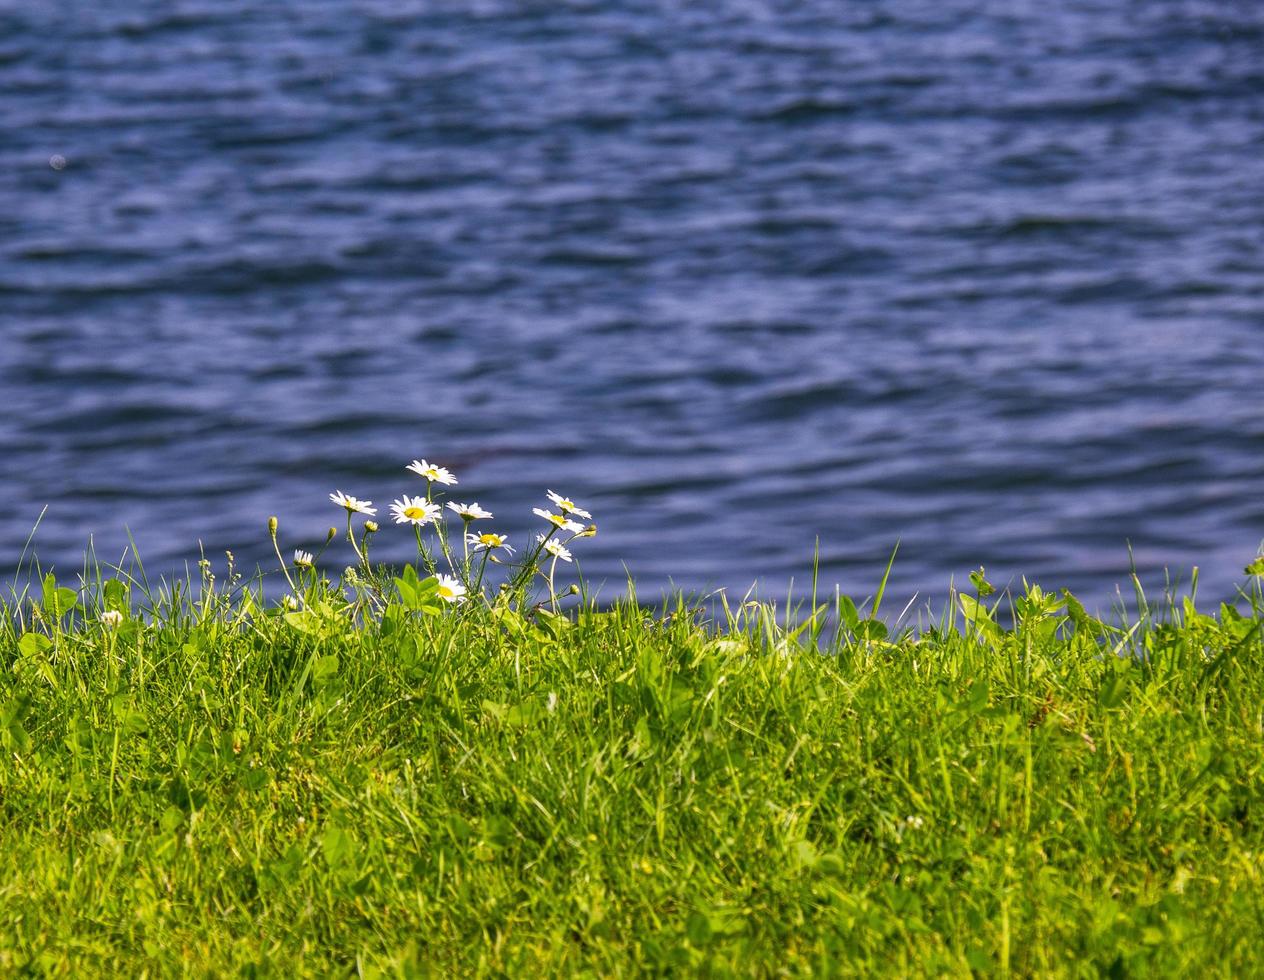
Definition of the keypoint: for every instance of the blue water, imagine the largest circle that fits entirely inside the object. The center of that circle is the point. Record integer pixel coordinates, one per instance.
(987, 278)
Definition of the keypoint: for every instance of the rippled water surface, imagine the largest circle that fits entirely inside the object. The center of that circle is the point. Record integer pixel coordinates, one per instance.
(984, 277)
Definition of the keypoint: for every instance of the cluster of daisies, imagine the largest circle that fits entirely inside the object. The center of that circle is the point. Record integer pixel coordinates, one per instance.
(464, 571)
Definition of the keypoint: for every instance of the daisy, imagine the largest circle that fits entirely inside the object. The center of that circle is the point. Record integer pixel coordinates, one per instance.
(489, 542)
(561, 520)
(414, 510)
(450, 590)
(303, 559)
(567, 506)
(435, 474)
(554, 548)
(353, 505)
(469, 512)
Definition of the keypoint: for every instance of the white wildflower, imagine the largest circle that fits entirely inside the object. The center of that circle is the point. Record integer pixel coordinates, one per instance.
(554, 548)
(450, 590)
(352, 504)
(435, 474)
(489, 541)
(469, 512)
(567, 506)
(560, 520)
(414, 510)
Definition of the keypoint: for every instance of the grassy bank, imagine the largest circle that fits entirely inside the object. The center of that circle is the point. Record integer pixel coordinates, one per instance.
(464, 766)
(204, 784)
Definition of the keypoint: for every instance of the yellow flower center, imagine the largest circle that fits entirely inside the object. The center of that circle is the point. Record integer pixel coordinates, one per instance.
(414, 513)
(490, 539)
(447, 592)
(566, 504)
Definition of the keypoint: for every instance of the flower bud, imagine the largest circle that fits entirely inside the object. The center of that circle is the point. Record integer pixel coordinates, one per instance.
(370, 526)
(272, 526)
(333, 533)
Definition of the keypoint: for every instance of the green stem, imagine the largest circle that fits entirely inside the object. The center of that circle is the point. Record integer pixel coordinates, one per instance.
(284, 570)
(354, 546)
(478, 586)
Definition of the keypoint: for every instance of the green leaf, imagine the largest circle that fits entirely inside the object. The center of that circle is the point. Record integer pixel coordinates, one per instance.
(33, 644)
(12, 735)
(115, 594)
(324, 668)
(130, 719)
(415, 593)
(976, 699)
(338, 846)
(871, 629)
(1113, 690)
(980, 583)
(847, 612)
(1256, 567)
(304, 620)
(974, 610)
(58, 600)
(551, 625)
(171, 819)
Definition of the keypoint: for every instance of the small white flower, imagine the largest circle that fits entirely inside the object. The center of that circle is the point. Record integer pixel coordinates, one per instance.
(554, 548)
(914, 822)
(353, 504)
(567, 506)
(450, 590)
(435, 474)
(489, 541)
(414, 510)
(561, 520)
(289, 602)
(112, 619)
(303, 559)
(469, 512)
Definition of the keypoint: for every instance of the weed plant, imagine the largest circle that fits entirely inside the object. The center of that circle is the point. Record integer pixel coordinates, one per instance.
(424, 772)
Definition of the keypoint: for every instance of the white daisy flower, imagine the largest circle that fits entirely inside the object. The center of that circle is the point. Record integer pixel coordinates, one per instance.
(414, 510)
(353, 504)
(469, 512)
(567, 506)
(450, 590)
(489, 542)
(561, 520)
(554, 548)
(303, 559)
(112, 619)
(435, 474)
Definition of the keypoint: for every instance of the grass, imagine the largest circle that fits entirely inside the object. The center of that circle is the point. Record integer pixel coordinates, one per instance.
(207, 785)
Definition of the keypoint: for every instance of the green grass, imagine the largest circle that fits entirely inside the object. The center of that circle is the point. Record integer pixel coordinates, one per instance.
(215, 787)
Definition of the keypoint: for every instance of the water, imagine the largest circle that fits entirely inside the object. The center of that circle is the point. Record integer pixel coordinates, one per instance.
(984, 278)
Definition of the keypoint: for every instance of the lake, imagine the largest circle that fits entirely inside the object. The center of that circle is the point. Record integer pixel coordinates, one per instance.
(984, 278)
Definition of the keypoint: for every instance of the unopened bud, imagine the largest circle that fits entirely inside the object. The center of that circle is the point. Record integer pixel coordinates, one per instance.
(370, 526)
(272, 526)
(573, 590)
(333, 533)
